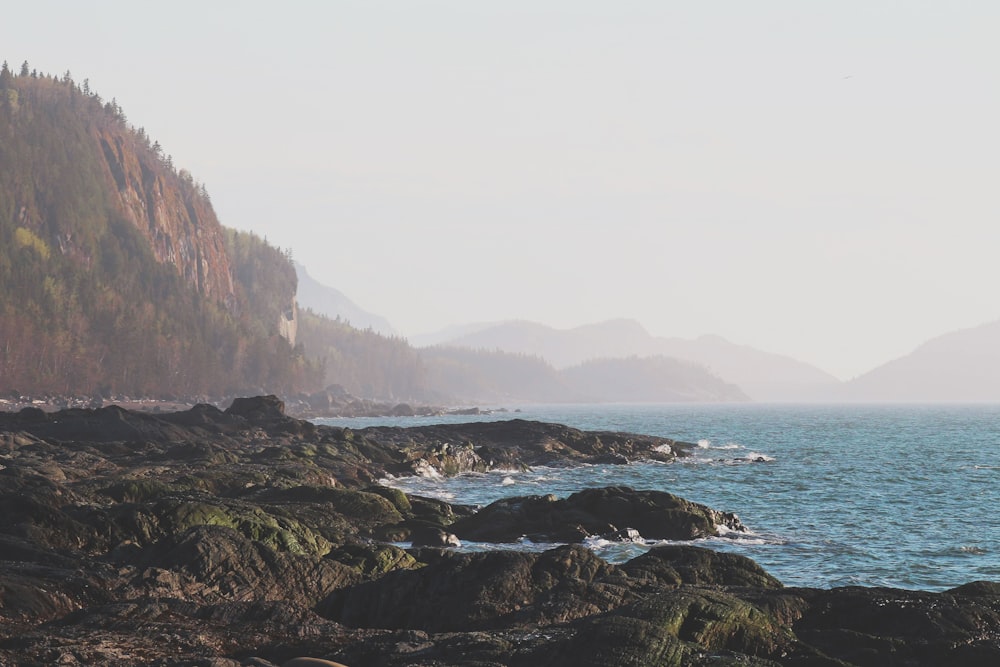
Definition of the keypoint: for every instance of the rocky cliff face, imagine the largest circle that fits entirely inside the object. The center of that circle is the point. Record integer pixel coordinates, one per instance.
(288, 323)
(170, 211)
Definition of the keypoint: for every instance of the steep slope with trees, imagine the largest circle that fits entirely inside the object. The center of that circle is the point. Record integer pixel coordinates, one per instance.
(334, 304)
(115, 272)
(364, 363)
(116, 278)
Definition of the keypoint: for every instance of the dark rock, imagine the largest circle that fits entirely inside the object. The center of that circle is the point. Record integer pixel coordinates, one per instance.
(212, 538)
(258, 409)
(213, 563)
(623, 535)
(683, 564)
(402, 410)
(516, 443)
(32, 415)
(654, 514)
(429, 536)
(461, 592)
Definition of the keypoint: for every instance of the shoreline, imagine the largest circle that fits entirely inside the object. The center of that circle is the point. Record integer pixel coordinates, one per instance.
(300, 407)
(219, 537)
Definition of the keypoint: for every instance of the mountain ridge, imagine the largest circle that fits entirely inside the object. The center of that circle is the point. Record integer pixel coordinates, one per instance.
(334, 304)
(957, 366)
(762, 375)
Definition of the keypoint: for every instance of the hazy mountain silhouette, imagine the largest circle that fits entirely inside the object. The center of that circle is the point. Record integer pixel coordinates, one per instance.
(332, 303)
(959, 366)
(761, 375)
(655, 379)
(494, 375)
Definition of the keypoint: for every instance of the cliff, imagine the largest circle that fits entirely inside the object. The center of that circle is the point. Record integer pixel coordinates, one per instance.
(118, 277)
(170, 212)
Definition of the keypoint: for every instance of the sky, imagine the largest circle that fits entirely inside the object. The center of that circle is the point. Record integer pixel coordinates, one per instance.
(812, 179)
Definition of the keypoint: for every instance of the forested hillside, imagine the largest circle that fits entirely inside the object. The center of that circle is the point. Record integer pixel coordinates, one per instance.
(116, 277)
(364, 362)
(114, 270)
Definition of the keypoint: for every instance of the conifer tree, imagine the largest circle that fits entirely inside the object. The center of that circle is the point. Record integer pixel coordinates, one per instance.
(24, 68)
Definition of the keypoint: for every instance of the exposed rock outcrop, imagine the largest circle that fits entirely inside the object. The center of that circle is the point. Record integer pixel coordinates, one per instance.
(606, 511)
(168, 210)
(247, 538)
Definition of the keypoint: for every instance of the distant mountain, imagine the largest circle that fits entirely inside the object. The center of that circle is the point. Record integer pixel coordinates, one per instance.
(959, 366)
(444, 336)
(462, 374)
(332, 303)
(655, 379)
(493, 375)
(117, 276)
(762, 375)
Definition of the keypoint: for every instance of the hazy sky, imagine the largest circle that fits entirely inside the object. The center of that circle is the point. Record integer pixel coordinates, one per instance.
(818, 179)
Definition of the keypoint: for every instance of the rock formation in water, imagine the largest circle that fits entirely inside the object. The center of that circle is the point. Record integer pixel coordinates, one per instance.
(244, 537)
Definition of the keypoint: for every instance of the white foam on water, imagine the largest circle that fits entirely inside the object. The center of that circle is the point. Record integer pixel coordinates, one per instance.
(427, 471)
(756, 457)
(594, 542)
(508, 481)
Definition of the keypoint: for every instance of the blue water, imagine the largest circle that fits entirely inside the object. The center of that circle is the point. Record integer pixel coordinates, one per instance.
(883, 495)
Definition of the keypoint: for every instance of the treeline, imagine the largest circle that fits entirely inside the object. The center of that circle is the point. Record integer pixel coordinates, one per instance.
(365, 363)
(117, 278)
(493, 375)
(84, 305)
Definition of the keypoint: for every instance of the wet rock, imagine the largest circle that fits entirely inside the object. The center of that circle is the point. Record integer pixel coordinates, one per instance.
(516, 444)
(258, 409)
(683, 564)
(654, 514)
(430, 536)
(623, 535)
(206, 537)
(214, 563)
(462, 592)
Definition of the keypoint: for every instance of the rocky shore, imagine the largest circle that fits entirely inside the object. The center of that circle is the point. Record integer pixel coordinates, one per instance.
(332, 402)
(247, 537)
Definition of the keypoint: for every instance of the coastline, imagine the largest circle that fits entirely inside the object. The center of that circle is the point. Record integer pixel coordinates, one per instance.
(249, 537)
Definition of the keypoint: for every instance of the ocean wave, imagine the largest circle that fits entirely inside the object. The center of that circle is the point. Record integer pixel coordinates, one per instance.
(705, 443)
(749, 457)
(756, 457)
(972, 550)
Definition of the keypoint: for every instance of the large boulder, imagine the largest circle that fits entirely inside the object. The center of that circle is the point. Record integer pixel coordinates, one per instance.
(258, 409)
(654, 514)
(215, 563)
(465, 591)
(683, 564)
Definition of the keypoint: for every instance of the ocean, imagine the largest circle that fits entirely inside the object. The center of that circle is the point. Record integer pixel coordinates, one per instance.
(834, 495)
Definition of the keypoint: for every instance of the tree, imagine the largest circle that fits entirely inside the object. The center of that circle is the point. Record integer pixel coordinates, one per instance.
(24, 69)
(5, 76)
